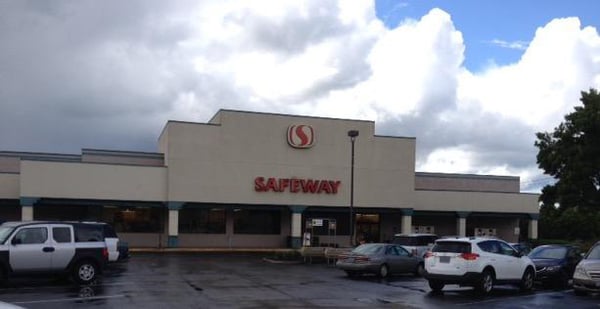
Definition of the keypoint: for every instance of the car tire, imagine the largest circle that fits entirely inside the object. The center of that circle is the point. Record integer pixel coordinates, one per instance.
(527, 280)
(420, 270)
(383, 271)
(485, 284)
(85, 271)
(580, 292)
(436, 286)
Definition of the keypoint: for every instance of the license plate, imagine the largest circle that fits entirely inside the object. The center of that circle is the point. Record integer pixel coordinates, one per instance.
(444, 259)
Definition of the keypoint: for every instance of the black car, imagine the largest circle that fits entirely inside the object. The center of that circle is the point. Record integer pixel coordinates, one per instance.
(555, 264)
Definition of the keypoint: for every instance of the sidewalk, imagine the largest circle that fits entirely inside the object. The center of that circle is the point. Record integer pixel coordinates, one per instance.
(212, 250)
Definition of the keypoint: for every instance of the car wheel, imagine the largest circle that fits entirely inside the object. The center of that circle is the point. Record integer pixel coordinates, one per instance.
(85, 272)
(383, 271)
(420, 270)
(580, 292)
(486, 283)
(436, 286)
(527, 280)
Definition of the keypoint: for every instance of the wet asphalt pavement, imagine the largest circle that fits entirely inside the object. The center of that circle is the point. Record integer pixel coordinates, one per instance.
(246, 281)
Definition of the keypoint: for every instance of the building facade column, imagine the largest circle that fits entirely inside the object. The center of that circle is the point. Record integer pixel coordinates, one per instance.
(532, 233)
(173, 224)
(27, 204)
(296, 226)
(407, 214)
(461, 223)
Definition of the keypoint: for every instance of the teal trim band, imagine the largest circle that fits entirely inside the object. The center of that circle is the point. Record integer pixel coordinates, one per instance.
(297, 209)
(534, 216)
(407, 211)
(175, 205)
(29, 201)
(173, 242)
(463, 214)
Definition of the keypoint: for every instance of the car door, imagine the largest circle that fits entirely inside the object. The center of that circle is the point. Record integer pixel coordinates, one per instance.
(63, 244)
(495, 258)
(513, 264)
(30, 249)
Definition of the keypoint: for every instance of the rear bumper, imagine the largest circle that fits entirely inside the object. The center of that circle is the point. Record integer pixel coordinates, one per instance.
(373, 268)
(468, 278)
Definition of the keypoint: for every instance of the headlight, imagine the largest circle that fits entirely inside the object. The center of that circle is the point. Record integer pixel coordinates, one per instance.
(580, 273)
(553, 268)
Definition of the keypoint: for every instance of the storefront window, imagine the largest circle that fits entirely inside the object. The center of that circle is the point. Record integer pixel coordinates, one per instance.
(135, 219)
(202, 220)
(257, 221)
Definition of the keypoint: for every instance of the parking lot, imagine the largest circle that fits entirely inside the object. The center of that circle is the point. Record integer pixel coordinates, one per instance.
(247, 281)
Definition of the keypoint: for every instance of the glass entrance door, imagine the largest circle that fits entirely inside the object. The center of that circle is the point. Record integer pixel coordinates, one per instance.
(367, 228)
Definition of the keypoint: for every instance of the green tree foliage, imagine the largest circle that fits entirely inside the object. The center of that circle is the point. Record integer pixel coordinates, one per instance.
(571, 154)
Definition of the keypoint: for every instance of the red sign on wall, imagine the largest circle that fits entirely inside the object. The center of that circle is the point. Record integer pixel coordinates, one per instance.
(301, 136)
(296, 185)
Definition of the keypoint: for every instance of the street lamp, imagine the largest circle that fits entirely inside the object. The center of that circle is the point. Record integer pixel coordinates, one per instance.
(352, 134)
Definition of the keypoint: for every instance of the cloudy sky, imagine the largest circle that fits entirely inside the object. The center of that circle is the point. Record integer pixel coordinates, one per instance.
(472, 82)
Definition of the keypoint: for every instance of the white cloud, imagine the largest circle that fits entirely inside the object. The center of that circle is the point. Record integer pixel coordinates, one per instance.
(518, 45)
(70, 79)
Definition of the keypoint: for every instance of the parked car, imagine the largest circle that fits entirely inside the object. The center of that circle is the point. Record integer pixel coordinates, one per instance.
(586, 278)
(31, 247)
(555, 264)
(477, 262)
(117, 250)
(523, 248)
(416, 243)
(381, 259)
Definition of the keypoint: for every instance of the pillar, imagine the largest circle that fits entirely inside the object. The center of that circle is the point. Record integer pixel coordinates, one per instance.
(173, 224)
(407, 214)
(296, 226)
(27, 208)
(532, 233)
(461, 223)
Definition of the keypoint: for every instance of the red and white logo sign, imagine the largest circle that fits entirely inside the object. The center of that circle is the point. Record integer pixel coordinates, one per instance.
(301, 136)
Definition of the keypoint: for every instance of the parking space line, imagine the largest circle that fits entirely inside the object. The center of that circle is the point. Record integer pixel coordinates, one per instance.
(71, 299)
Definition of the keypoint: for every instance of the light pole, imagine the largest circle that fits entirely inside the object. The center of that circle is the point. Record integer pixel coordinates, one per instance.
(352, 134)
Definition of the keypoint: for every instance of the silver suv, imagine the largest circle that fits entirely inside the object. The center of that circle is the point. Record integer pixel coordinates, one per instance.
(477, 262)
(418, 244)
(31, 247)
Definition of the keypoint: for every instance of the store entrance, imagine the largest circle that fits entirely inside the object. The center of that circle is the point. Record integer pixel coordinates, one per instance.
(367, 228)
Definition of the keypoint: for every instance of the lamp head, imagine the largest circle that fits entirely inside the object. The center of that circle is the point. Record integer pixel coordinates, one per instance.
(353, 134)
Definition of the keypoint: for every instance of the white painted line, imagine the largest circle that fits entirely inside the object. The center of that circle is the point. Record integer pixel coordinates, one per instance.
(69, 299)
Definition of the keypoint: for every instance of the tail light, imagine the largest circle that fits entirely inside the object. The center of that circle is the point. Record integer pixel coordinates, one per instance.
(469, 256)
(105, 253)
(428, 254)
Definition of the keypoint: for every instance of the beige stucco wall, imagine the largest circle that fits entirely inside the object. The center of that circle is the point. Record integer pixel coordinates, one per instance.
(92, 181)
(218, 162)
(476, 201)
(9, 186)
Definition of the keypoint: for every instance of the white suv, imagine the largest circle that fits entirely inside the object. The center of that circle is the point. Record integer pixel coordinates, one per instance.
(477, 262)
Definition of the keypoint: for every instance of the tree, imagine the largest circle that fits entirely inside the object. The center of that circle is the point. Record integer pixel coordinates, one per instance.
(571, 154)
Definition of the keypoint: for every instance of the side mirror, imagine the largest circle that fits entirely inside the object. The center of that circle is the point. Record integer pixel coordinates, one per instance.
(16, 241)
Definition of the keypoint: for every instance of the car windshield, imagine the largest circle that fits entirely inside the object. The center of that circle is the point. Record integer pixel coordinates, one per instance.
(4, 232)
(594, 253)
(368, 249)
(548, 253)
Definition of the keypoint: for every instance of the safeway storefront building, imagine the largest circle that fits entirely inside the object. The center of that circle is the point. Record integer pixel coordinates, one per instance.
(248, 180)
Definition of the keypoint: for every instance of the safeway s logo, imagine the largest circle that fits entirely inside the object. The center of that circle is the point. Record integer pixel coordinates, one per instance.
(301, 136)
